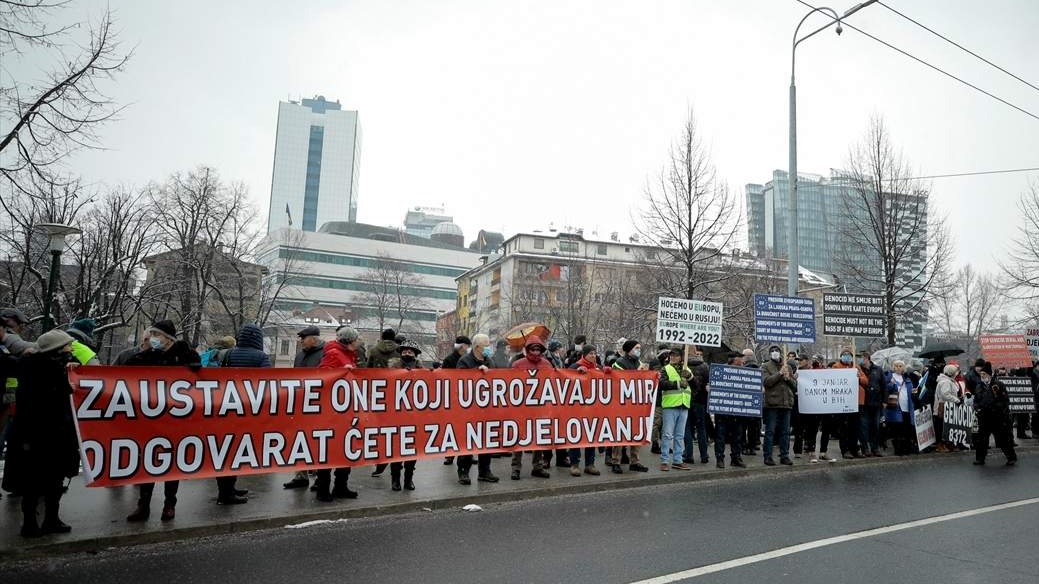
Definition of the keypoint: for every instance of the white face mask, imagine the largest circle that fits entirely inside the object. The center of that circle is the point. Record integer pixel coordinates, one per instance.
(775, 355)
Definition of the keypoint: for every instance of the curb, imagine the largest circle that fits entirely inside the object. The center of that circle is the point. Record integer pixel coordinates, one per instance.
(714, 475)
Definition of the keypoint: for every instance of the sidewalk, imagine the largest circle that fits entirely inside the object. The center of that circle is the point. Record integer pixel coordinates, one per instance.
(98, 515)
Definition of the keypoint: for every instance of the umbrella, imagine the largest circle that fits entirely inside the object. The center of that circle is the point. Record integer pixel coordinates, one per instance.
(885, 358)
(517, 335)
(940, 349)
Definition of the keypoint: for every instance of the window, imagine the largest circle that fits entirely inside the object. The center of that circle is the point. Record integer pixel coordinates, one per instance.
(627, 250)
(539, 243)
(284, 347)
(600, 249)
(568, 246)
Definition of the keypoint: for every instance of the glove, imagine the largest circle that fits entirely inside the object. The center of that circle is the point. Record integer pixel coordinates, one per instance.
(683, 383)
(194, 367)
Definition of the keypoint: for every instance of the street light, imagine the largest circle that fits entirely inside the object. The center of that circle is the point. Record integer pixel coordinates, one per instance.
(794, 260)
(56, 234)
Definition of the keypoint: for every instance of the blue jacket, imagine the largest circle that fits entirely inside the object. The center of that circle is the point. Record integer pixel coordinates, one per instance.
(249, 350)
(894, 415)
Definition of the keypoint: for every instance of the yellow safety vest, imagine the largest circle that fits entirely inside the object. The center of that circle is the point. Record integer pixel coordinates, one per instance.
(676, 397)
(82, 353)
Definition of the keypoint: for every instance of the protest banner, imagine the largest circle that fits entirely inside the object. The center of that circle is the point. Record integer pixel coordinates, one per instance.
(854, 315)
(959, 422)
(1019, 390)
(923, 422)
(784, 319)
(828, 391)
(141, 424)
(1032, 340)
(735, 391)
(1010, 351)
(689, 322)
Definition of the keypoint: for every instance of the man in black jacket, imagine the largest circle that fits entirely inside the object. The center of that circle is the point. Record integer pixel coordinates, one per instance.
(629, 361)
(461, 347)
(164, 350)
(992, 406)
(873, 408)
(311, 350)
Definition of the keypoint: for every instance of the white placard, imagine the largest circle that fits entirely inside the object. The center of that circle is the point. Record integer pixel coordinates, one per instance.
(828, 391)
(923, 422)
(689, 322)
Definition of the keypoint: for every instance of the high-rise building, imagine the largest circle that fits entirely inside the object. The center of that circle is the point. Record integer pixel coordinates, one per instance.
(825, 206)
(420, 221)
(316, 161)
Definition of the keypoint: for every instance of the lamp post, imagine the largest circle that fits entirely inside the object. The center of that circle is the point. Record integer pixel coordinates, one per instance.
(56, 234)
(794, 260)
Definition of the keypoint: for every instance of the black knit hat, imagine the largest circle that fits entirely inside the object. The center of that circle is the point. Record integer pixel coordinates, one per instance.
(389, 334)
(166, 327)
(629, 345)
(587, 349)
(580, 340)
(463, 340)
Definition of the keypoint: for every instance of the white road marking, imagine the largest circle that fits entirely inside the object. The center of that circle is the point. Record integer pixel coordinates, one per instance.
(811, 545)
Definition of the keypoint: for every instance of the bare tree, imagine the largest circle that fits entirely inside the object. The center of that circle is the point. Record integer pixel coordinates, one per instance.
(1021, 268)
(46, 119)
(392, 292)
(969, 305)
(690, 217)
(892, 241)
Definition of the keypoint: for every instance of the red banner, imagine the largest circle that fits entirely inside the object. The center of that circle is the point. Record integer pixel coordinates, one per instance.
(1010, 351)
(140, 424)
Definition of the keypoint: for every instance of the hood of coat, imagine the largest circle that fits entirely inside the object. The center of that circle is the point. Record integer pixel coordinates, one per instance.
(250, 336)
(386, 347)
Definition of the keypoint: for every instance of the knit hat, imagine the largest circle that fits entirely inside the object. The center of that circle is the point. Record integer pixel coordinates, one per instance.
(987, 368)
(389, 334)
(463, 340)
(629, 345)
(14, 314)
(587, 349)
(53, 340)
(164, 327)
(346, 334)
(225, 343)
(580, 340)
(409, 345)
(554, 345)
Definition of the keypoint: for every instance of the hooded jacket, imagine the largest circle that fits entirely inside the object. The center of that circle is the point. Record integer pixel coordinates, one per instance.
(381, 355)
(779, 391)
(248, 351)
(627, 362)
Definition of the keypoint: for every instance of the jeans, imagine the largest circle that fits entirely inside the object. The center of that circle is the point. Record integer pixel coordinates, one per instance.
(729, 430)
(869, 428)
(672, 435)
(589, 456)
(777, 417)
(697, 422)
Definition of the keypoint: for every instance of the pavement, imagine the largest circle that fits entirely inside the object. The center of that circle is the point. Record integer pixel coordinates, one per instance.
(97, 515)
(807, 524)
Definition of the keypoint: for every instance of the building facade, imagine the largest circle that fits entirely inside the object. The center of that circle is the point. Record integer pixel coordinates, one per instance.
(420, 221)
(317, 154)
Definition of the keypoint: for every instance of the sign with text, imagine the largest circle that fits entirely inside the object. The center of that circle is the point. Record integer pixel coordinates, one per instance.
(854, 315)
(958, 422)
(735, 391)
(1032, 340)
(923, 422)
(689, 322)
(784, 319)
(1019, 390)
(828, 391)
(139, 424)
(1010, 351)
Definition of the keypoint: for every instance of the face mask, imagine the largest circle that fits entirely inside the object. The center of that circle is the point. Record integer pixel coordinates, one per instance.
(487, 352)
(636, 353)
(775, 355)
(845, 359)
(407, 358)
(155, 343)
(578, 348)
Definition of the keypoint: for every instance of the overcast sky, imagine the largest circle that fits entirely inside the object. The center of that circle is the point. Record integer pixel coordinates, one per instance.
(515, 114)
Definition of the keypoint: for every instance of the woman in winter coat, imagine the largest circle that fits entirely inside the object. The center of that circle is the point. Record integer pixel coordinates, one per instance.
(408, 360)
(43, 448)
(946, 393)
(992, 406)
(899, 409)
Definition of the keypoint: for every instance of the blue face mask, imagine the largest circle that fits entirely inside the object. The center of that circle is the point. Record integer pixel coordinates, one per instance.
(846, 359)
(636, 353)
(487, 352)
(155, 343)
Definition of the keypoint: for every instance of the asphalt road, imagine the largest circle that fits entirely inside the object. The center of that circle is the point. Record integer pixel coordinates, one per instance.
(638, 534)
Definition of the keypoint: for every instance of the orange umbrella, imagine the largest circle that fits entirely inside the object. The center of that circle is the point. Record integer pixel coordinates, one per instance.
(517, 335)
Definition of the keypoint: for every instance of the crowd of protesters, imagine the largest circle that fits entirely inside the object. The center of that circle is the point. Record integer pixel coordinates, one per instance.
(39, 435)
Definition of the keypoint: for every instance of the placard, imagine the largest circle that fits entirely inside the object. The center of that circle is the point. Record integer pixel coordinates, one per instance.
(689, 322)
(1019, 390)
(1010, 351)
(923, 422)
(958, 422)
(828, 391)
(784, 319)
(854, 315)
(735, 391)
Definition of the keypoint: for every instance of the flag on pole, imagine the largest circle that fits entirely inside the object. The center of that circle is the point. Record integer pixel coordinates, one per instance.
(289, 213)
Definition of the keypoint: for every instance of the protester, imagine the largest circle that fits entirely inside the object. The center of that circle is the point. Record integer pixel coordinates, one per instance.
(676, 398)
(631, 351)
(311, 351)
(480, 357)
(461, 347)
(339, 354)
(750, 427)
(44, 449)
(384, 351)
(533, 358)
(780, 388)
(574, 355)
(587, 362)
(796, 417)
(14, 323)
(556, 353)
(729, 430)
(501, 358)
(699, 419)
(871, 404)
(899, 409)
(214, 356)
(84, 348)
(407, 359)
(847, 425)
(164, 350)
(946, 395)
(992, 406)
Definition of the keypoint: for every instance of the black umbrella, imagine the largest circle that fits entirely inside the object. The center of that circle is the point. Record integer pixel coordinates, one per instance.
(939, 349)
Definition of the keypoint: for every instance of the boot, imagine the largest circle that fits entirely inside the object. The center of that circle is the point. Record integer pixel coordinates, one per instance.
(140, 514)
(29, 526)
(169, 511)
(409, 484)
(342, 491)
(395, 479)
(51, 522)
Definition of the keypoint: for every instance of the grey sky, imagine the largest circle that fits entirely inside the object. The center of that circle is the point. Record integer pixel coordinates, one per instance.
(514, 114)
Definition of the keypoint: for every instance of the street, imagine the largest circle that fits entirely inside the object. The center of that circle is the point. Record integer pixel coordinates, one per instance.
(648, 534)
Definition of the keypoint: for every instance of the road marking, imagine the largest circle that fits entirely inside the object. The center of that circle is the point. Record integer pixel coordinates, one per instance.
(811, 545)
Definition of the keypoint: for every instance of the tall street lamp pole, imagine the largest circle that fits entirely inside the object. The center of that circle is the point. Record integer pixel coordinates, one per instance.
(793, 255)
(56, 234)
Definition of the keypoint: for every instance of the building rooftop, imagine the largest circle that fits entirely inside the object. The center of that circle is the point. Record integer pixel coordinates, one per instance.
(366, 231)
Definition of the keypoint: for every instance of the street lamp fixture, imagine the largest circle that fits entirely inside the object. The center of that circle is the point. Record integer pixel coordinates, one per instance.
(794, 260)
(56, 234)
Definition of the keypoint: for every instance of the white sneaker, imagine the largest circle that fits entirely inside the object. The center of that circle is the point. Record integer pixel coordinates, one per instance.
(814, 460)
